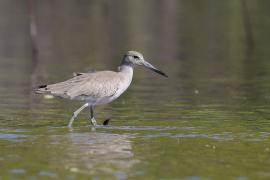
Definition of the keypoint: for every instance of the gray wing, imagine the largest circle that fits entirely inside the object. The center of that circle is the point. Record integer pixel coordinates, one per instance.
(96, 85)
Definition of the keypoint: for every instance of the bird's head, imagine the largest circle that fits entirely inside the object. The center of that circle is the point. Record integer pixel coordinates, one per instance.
(133, 58)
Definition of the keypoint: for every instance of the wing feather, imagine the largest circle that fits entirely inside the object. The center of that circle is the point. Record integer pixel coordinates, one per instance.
(96, 85)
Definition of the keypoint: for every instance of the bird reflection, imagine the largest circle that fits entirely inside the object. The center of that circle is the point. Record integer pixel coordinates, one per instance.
(95, 152)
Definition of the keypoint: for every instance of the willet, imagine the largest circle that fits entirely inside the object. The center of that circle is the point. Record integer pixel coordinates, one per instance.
(98, 87)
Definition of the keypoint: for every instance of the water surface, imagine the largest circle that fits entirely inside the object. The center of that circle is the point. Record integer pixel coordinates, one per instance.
(208, 120)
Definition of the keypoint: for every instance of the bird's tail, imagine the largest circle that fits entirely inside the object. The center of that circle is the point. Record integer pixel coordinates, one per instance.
(42, 89)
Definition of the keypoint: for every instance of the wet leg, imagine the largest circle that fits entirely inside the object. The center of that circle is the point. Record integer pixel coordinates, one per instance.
(75, 114)
(93, 120)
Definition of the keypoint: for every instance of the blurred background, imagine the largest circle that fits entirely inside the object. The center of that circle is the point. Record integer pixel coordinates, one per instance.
(208, 120)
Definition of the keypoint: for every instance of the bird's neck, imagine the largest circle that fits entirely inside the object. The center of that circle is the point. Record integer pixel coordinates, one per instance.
(126, 69)
(126, 74)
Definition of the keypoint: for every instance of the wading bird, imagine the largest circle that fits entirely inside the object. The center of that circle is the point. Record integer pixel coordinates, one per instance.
(98, 87)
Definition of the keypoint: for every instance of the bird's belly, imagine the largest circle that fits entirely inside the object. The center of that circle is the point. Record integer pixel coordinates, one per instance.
(108, 99)
(94, 100)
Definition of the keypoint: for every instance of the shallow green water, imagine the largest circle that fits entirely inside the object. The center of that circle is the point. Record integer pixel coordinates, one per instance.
(209, 120)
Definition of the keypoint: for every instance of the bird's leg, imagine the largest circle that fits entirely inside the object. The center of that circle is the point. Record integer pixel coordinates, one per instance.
(75, 114)
(93, 121)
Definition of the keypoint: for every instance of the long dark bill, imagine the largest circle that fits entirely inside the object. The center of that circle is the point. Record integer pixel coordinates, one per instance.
(150, 66)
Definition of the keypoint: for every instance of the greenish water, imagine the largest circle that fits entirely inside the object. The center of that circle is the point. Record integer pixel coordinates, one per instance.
(209, 120)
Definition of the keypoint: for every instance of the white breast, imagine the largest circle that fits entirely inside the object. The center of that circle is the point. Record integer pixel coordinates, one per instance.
(126, 74)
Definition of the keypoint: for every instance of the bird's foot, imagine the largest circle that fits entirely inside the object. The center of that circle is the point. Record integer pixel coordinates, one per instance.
(106, 122)
(93, 122)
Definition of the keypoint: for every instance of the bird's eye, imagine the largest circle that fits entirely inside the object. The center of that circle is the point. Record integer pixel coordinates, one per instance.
(136, 57)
